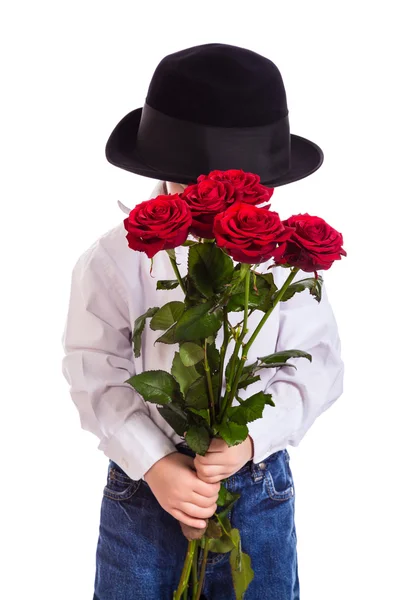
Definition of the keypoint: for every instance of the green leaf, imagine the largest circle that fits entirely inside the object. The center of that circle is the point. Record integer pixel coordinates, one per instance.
(226, 509)
(209, 268)
(198, 439)
(138, 329)
(239, 275)
(213, 359)
(189, 243)
(232, 433)
(184, 375)
(221, 545)
(260, 298)
(167, 315)
(250, 409)
(175, 417)
(213, 529)
(191, 353)
(226, 498)
(247, 381)
(277, 365)
(283, 356)
(313, 285)
(240, 562)
(201, 412)
(193, 296)
(197, 393)
(167, 284)
(168, 337)
(156, 386)
(196, 323)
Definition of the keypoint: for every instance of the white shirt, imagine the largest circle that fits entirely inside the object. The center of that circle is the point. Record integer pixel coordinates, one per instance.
(111, 286)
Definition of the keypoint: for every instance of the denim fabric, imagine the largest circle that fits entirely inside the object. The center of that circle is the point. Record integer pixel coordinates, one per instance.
(141, 548)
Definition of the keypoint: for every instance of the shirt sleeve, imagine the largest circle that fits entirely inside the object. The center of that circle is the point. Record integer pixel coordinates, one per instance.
(301, 395)
(98, 359)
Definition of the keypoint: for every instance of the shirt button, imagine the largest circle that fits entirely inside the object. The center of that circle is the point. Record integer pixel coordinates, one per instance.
(262, 465)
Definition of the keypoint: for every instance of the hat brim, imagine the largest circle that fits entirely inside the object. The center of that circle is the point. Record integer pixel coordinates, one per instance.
(305, 156)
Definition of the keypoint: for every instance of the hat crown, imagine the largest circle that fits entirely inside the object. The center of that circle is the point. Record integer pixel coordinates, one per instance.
(218, 85)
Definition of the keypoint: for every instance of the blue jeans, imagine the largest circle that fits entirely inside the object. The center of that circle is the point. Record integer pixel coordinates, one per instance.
(141, 549)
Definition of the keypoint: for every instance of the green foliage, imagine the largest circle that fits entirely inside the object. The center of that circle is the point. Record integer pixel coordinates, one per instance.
(232, 432)
(280, 358)
(248, 380)
(213, 357)
(185, 376)
(240, 562)
(210, 269)
(138, 329)
(168, 337)
(198, 438)
(250, 409)
(167, 284)
(196, 323)
(156, 386)
(214, 529)
(175, 416)
(259, 298)
(313, 285)
(191, 353)
(167, 315)
(197, 393)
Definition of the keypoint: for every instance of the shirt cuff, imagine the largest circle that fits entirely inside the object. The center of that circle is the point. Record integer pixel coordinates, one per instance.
(137, 445)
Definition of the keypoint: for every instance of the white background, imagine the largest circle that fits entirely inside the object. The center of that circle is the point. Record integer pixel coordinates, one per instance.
(70, 72)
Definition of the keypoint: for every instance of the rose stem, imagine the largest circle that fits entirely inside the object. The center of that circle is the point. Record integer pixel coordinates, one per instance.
(247, 346)
(186, 570)
(209, 383)
(203, 568)
(178, 275)
(237, 345)
(222, 356)
(195, 583)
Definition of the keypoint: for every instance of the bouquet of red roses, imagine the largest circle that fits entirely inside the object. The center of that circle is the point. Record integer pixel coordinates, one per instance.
(223, 215)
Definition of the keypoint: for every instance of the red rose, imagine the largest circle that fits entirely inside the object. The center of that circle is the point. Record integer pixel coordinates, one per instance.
(247, 185)
(250, 234)
(205, 200)
(313, 244)
(158, 224)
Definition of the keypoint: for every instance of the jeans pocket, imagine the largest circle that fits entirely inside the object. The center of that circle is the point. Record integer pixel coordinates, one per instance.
(278, 477)
(119, 485)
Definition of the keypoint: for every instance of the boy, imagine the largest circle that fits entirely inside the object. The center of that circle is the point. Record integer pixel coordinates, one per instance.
(213, 106)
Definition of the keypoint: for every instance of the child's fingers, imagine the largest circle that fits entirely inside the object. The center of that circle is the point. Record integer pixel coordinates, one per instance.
(204, 488)
(217, 445)
(205, 472)
(203, 500)
(213, 478)
(187, 520)
(197, 512)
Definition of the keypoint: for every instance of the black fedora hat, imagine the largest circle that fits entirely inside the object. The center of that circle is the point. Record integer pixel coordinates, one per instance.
(213, 106)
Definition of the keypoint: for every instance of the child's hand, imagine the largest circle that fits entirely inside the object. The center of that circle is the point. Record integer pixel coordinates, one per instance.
(178, 489)
(221, 460)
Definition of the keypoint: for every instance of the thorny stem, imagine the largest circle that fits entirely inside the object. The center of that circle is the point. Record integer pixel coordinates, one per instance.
(203, 568)
(195, 583)
(228, 393)
(177, 273)
(186, 570)
(257, 330)
(209, 383)
(224, 347)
